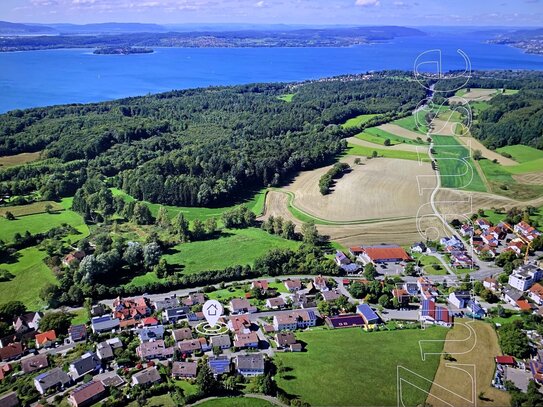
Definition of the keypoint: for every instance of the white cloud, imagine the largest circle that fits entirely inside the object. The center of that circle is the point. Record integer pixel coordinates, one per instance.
(367, 3)
(260, 4)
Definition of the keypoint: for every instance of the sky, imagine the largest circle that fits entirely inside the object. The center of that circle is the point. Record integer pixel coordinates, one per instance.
(518, 13)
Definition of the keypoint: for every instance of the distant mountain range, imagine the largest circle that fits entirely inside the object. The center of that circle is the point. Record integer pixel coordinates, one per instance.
(23, 37)
(531, 41)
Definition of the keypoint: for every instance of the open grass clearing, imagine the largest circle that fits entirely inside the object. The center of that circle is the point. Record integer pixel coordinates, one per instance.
(474, 144)
(236, 402)
(365, 151)
(415, 123)
(396, 130)
(478, 347)
(522, 153)
(358, 120)
(30, 209)
(256, 204)
(18, 159)
(502, 182)
(345, 367)
(368, 140)
(234, 247)
(473, 94)
(287, 97)
(456, 168)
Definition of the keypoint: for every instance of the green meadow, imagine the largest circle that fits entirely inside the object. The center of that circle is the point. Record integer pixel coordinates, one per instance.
(378, 136)
(349, 367)
(236, 402)
(522, 154)
(287, 97)
(353, 149)
(359, 120)
(453, 161)
(410, 123)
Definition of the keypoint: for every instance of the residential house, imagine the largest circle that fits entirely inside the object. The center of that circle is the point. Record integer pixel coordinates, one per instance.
(427, 288)
(250, 365)
(524, 305)
(11, 351)
(104, 324)
(72, 257)
(219, 365)
(34, 363)
(87, 394)
(53, 379)
(194, 299)
(525, 276)
(528, 231)
(431, 313)
(98, 310)
(151, 333)
(490, 240)
(181, 334)
(182, 370)
(331, 295)
(249, 340)
(293, 285)
(204, 344)
(411, 288)
(166, 303)
(466, 230)
(341, 259)
(356, 251)
(511, 295)
(190, 346)
(536, 293)
(78, 333)
(285, 339)
(128, 324)
(505, 360)
(476, 309)
(483, 224)
(115, 343)
(241, 306)
(320, 283)
(491, 284)
(87, 363)
(452, 242)
(459, 299)
(240, 323)
(172, 315)
(154, 350)
(275, 303)
(345, 321)
(27, 322)
(148, 321)
(104, 351)
(221, 341)
(260, 284)
(131, 308)
(9, 399)
(302, 300)
(368, 314)
(46, 339)
(146, 377)
(419, 247)
(401, 295)
(351, 268)
(297, 319)
(516, 246)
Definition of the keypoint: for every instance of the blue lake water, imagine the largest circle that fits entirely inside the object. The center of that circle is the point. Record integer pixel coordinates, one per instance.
(40, 78)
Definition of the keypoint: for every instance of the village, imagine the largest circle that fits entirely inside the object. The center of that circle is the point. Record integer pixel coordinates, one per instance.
(147, 341)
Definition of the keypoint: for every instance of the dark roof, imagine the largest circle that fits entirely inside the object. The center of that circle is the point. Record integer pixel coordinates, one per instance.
(184, 368)
(11, 351)
(254, 361)
(219, 364)
(78, 332)
(367, 313)
(149, 375)
(345, 321)
(34, 363)
(88, 392)
(285, 338)
(9, 400)
(52, 378)
(87, 363)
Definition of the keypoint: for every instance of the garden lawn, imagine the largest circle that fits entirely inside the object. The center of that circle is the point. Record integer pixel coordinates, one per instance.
(256, 204)
(235, 247)
(236, 402)
(81, 316)
(358, 120)
(350, 367)
(453, 161)
(364, 151)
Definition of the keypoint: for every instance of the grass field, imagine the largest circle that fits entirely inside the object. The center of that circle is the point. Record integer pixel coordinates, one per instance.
(364, 151)
(287, 97)
(358, 120)
(476, 345)
(18, 159)
(428, 262)
(378, 136)
(236, 402)
(236, 247)
(30, 209)
(501, 181)
(522, 154)
(256, 204)
(453, 162)
(410, 123)
(495, 218)
(351, 367)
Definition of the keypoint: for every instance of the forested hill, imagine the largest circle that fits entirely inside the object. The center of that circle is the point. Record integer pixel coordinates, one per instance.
(512, 119)
(194, 147)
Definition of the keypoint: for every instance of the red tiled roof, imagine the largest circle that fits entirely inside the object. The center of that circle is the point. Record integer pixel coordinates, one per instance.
(505, 360)
(46, 337)
(537, 289)
(150, 321)
(386, 253)
(524, 305)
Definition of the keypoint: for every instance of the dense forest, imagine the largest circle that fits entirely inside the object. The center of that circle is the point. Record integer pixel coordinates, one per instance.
(200, 147)
(510, 119)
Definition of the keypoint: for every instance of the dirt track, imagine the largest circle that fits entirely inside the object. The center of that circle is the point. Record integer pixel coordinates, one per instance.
(488, 154)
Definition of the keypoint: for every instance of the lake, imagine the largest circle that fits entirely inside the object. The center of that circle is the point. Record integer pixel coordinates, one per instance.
(40, 78)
